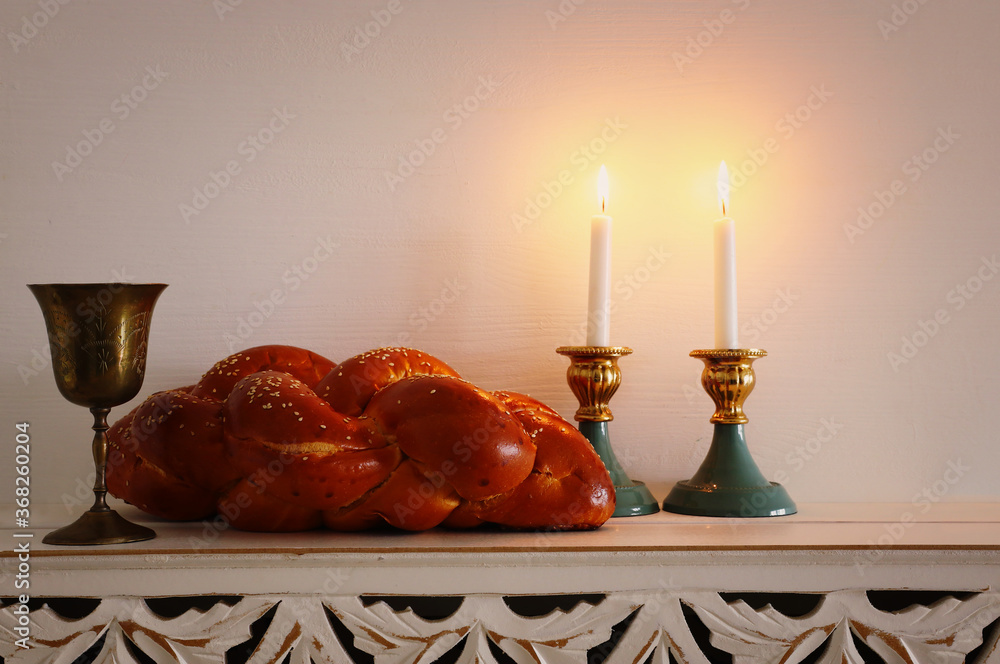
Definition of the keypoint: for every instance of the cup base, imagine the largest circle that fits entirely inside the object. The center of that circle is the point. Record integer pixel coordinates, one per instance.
(99, 527)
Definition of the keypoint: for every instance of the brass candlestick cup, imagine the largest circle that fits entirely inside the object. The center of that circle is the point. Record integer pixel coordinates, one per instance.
(729, 483)
(594, 377)
(98, 335)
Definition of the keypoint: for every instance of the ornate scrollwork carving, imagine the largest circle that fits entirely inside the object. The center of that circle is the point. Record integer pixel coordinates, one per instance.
(657, 626)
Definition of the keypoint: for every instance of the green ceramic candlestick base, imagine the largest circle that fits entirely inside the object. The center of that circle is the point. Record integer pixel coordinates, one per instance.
(728, 483)
(632, 498)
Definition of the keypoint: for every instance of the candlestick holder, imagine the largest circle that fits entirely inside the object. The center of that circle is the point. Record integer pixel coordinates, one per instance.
(594, 377)
(729, 483)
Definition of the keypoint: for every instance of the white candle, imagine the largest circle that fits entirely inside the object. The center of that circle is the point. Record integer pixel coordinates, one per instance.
(599, 299)
(726, 323)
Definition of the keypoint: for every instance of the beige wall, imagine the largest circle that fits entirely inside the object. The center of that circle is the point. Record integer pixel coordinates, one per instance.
(841, 104)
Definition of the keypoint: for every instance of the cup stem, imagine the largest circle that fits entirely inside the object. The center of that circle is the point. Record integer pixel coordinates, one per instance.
(100, 450)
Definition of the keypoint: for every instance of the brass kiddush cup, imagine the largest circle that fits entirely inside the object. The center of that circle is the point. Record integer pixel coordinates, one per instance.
(98, 334)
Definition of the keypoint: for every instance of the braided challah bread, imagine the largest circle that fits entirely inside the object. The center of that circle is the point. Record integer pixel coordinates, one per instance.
(276, 438)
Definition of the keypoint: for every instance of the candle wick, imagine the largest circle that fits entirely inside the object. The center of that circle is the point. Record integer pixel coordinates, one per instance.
(723, 208)
(602, 205)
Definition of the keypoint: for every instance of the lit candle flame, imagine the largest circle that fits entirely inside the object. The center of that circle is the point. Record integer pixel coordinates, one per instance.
(723, 187)
(602, 187)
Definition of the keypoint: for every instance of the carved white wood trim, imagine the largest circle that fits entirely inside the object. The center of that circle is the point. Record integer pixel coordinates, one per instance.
(557, 637)
(940, 634)
(943, 633)
(192, 637)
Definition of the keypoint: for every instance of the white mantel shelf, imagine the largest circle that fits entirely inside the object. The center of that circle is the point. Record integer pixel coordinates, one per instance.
(849, 541)
(646, 569)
